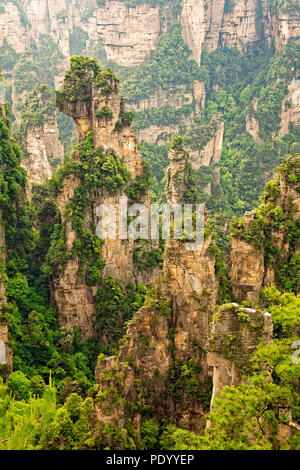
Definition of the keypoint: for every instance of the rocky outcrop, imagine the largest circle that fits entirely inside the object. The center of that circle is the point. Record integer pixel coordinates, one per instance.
(252, 126)
(129, 34)
(38, 132)
(12, 27)
(210, 155)
(168, 334)
(109, 130)
(290, 113)
(158, 135)
(99, 110)
(246, 23)
(285, 23)
(247, 266)
(235, 333)
(253, 265)
(175, 97)
(194, 22)
(43, 147)
(6, 352)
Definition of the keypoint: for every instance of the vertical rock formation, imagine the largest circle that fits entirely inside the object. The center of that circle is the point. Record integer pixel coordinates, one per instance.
(244, 24)
(43, 151)
(235, 334)
(92, 98)
(247, 266)
(285, 23)
(167, 336)
(290, 113)
(102, 111)
(194, 23)
(129, 34)
(210, 154)
(263, 249)
(13, 27)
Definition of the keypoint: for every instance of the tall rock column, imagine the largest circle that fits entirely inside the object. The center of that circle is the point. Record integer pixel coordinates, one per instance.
(265, 246)
(235, 334)
(91, 96)
(162, 364)
(39, 134)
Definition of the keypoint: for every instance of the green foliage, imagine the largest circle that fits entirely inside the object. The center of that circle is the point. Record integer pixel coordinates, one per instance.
(284, 309)
(248, 417)
(157, 159)
(270, 219)
(116, 306)
(138, 187)
(96, 170)
(38, 108)
(83, 73)
(186, 384)
(78, 40)
(169, 65)
(148, 259)
(149, 434)
(39, 64)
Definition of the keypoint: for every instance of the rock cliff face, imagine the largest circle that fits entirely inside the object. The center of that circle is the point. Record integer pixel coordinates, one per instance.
(42, 144)
(101, 111)
(129, 34)
(175, 97)
(235, 334)
(246, 23)
(13, 29)
(210, 155)
(290, 113)
(169, 333)
(261, 247)
(38, 132)
(209, 23)
(247, 266)
(285, 24)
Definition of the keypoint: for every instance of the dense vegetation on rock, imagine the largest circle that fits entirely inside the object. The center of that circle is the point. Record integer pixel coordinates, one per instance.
(60, 383)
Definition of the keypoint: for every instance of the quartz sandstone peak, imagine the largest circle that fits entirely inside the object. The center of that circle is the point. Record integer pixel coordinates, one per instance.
(251, 266)
(170, 331)
(235, 333)
(91, 96)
